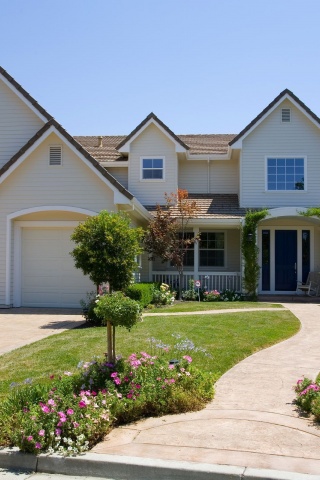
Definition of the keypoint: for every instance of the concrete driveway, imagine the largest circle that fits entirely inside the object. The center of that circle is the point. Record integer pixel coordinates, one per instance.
(20, 326)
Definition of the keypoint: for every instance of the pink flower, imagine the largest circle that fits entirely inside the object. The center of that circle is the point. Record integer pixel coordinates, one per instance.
(188, 358)
(171, 367)
(70, 411)
(41, 433)
(82, 404)
(58, 431)
(75, 424)
(38, 445)
(68, 374)
(117, 381)
(30, 438)
(45, 409)
(114, 374)
(51, 402)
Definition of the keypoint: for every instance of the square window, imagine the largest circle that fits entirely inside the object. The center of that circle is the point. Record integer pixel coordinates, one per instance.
(152, 169)
(285, 174)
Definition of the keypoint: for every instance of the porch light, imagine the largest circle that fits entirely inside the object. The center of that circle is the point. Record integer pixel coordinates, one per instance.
(250, 237)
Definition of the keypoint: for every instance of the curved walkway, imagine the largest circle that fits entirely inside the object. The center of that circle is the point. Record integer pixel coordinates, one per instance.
(250, 423)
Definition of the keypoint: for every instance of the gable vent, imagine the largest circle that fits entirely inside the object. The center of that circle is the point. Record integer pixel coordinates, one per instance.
(286, 115)
(55, 155)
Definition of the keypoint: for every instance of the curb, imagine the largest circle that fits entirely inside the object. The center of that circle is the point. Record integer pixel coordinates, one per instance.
(117, 467)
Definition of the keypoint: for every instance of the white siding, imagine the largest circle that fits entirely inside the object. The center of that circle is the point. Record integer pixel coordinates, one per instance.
(120, 174)
(152, 142)
(34, 183)
(222, 176)
(18, 123)
(300, 137)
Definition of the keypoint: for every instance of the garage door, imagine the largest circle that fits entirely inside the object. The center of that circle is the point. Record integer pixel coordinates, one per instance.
(49, 278)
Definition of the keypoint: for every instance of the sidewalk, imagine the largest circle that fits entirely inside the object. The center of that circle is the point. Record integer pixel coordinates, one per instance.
(250, 430)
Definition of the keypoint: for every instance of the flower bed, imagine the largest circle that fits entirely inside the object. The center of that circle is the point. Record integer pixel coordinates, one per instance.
(74, 412)
(308, 396)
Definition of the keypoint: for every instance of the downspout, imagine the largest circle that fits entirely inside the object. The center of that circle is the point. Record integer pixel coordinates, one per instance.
(208, 175)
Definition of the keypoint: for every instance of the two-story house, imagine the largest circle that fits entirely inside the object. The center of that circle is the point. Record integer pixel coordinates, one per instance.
(51, 181)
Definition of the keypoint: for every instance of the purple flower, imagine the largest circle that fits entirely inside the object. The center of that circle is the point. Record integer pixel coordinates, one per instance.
(117, 381)
(82, 404)
(38, 445)
(45, 409)
(114, 374)
(58, 431)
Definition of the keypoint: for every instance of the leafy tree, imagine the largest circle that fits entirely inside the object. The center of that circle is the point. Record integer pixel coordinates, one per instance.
(106, 250)
(167, 235)
(250, 251)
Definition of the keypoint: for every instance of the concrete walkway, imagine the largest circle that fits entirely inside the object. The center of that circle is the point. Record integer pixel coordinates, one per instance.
(250, 430)
(251, 422)
(21, 326)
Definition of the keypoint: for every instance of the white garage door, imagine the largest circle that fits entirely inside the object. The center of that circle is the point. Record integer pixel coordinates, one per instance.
(49, 278)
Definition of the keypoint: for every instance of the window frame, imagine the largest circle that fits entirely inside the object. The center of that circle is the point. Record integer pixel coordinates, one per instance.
(206, 267)
(286, 157)
(152, 157)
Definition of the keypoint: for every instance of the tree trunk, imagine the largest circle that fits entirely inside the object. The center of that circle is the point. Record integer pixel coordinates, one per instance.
(180, 283)
(109, 342)
(114, 344)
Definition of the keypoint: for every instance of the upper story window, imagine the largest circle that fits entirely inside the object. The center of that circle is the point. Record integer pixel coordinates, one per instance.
(212, 248)
(152, 168)
(286, 115)
(55, 155)
(285, 174)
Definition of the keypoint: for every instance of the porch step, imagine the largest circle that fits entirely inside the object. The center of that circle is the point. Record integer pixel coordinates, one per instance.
(292, 298)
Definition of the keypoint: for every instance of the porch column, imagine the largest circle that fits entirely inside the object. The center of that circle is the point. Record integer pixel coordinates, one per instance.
(196, 255)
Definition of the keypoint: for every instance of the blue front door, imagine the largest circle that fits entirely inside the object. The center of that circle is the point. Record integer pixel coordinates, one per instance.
(285, 260)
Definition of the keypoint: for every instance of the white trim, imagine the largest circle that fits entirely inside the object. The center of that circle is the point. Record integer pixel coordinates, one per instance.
(116, 163)
(17, 245)
(285, 212)
(238, 143)
(299, 192)
(216, 156)
(23, 98)
(126, 147)
(163, 169)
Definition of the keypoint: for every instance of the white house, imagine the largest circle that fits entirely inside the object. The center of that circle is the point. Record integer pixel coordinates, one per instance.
(51, 181)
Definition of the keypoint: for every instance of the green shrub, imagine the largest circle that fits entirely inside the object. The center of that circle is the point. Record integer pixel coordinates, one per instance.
(141, 292)
(308, 395)
(122, 311)
(191, 294)
(163, 295)
(88, 305)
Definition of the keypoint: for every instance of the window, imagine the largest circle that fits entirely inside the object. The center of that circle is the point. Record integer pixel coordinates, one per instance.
(285, 174)
(152, 168)
(286, 115)
(212, 246)
(188, 258)
(55, 155)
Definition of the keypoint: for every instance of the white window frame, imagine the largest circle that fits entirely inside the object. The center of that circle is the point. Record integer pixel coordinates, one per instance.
(299, 192)
(152, 157)
(56, 145)
(206, 267)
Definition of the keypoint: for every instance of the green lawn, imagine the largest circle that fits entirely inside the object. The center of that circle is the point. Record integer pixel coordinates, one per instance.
(227, 337)
(200, 306)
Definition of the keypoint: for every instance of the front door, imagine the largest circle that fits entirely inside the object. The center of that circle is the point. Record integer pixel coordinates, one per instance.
(285, 260)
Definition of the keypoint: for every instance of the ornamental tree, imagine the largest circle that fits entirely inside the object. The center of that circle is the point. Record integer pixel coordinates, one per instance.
(167, 235)
(106, 250)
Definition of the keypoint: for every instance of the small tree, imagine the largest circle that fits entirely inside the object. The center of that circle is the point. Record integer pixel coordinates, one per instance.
(106, 250)
(167, 236)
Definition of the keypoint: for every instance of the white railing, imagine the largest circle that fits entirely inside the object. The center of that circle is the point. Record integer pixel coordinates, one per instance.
(209, 281)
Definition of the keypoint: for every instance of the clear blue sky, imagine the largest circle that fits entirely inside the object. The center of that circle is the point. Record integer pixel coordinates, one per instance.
(203, 66)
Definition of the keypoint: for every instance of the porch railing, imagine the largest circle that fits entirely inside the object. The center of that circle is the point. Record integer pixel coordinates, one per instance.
(209, 281)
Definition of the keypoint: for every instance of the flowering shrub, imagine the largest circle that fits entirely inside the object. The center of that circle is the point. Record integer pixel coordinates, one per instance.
(74, 412)
(212, 296)
(308, 395)
(230, 296)
(191, 294)
(163, 296)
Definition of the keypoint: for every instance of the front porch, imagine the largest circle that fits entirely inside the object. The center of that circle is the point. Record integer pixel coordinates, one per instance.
(209, 281)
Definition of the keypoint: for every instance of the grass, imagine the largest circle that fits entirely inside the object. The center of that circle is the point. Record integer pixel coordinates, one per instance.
(227, 337)
(201, 306)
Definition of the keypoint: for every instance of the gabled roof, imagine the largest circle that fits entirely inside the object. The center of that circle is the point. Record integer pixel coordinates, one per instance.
(151, 118)
(25, 94)
(75, 144)
(103, 148)
(269, 108)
